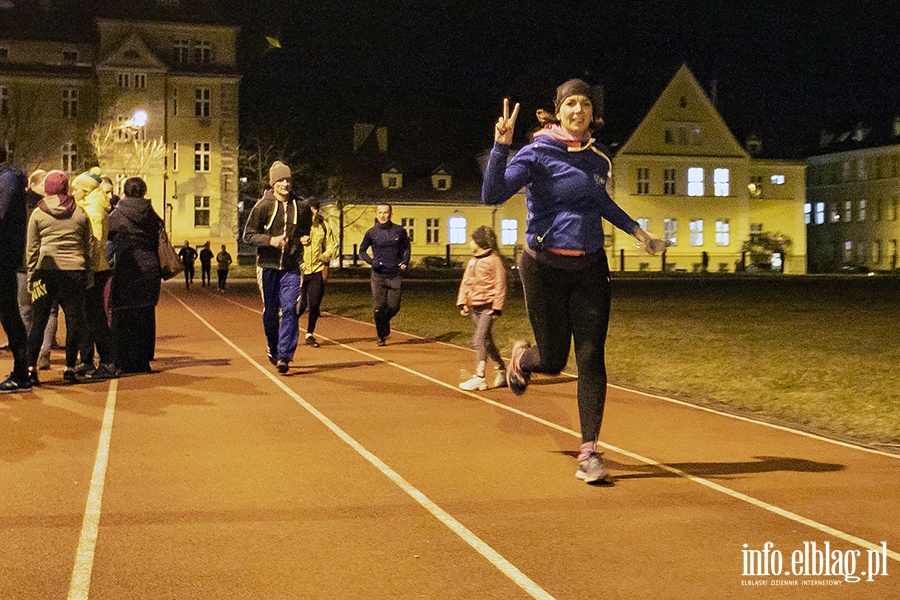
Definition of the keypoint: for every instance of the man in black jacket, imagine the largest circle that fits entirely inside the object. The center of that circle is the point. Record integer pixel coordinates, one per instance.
(278, 225)
(12, 256)
(390, 258)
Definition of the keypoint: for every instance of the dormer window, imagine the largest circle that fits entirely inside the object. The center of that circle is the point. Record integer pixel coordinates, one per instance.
(392, 179)
(441, 180)
(70, 57)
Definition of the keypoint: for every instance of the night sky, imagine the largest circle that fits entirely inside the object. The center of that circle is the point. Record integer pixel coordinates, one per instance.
(439, 70)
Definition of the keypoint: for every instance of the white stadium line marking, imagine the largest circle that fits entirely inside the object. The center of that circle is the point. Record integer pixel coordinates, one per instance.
(469, 537)
(649, 461)
(90, 526)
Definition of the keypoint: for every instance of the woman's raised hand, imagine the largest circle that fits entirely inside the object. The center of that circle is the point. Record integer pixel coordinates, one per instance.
(503, 130)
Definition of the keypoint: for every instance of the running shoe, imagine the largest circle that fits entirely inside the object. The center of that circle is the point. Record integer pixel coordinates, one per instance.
(311, 341)
(14, 384)
(516, 378)
(70, 376)
(499, 379)
(475, 383)
(105, 371)
(591, 469)
(381, 342)
(282, 366)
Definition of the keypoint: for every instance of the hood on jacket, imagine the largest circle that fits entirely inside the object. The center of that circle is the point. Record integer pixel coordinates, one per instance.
(60, 206)
(96, 198)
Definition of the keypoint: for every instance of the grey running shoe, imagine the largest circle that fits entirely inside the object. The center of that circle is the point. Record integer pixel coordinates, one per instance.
(105, 371)
(516, 378)
(591, 469)
(499, 379)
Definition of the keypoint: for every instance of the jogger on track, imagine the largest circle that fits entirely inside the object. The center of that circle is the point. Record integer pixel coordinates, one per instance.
(564, 270)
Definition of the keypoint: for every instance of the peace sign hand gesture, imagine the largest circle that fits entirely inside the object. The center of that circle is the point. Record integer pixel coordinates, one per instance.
(503, 130)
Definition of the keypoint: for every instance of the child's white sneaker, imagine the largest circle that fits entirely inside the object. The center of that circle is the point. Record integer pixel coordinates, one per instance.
(476, 383)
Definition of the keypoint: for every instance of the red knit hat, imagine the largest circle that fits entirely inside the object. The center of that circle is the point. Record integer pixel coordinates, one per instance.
(56, 182)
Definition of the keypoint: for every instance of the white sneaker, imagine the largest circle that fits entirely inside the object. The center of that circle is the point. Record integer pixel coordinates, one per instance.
(476, 383)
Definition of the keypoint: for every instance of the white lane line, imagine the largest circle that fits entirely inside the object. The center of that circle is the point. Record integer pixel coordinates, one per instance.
(649, 461)
(90, 525)
(480, 546)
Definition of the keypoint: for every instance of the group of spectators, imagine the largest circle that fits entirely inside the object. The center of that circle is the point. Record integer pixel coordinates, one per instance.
(75, 245)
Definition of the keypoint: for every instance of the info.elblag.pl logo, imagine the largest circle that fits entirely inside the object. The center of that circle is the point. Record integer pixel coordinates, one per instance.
(812, 564)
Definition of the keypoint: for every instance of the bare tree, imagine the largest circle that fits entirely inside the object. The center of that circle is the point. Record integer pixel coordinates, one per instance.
(110, 143)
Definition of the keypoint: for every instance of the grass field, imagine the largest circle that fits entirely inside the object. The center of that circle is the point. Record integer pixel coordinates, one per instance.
(819, 353)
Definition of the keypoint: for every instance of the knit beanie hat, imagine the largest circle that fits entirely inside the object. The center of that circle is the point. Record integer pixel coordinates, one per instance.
(485, 238)
(56, 183)
(278, 171)
(572, 87)
(88, 181)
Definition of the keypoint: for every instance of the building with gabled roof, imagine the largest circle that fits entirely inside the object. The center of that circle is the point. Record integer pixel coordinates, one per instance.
(684, 176)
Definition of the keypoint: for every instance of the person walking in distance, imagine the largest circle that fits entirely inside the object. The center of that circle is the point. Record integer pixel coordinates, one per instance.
(389, 259)
(12, 254)
(206, 257)
(317, 254)
(482, 293)
(188, 255)
(564, 269)
(223, 263)
(278, 225)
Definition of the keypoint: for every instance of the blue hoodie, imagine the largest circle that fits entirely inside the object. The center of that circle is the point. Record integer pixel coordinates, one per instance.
(565, 192)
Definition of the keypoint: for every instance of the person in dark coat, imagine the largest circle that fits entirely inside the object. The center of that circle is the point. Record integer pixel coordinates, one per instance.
(206, 257)
(12, 254)
(134, 235)
(390, 258)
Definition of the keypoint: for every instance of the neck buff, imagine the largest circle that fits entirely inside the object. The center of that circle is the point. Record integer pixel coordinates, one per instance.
(561, 134)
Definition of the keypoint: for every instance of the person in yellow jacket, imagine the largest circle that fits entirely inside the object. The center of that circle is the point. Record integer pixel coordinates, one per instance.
(317, 255)
(92, 198)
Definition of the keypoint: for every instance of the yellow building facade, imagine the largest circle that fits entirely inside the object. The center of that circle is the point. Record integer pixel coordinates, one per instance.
(71, 106)
(684, 177)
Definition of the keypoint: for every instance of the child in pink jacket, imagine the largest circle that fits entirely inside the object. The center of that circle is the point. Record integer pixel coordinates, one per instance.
(482, 292)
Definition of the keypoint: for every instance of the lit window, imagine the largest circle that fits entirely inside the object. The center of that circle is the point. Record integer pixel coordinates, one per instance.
(432, 231)
(820, 213)
(777, 179)
(509, 232)
(643, 181)
(202, 157)
(70, 104)
(201, 211)
(669, 182)
(848, 252)
(457, 230)
(644, 224)
(721, 181)
(695, 181)
(696, 228)
(848, 210)
(70, 157)
(861, 215)
(723, 232)
(670, 231)
(410, 226)
(807, 213)
(201, 102)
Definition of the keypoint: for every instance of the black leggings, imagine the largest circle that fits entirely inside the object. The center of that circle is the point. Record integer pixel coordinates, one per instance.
(311, 292)
(566, 298)
(47, 288)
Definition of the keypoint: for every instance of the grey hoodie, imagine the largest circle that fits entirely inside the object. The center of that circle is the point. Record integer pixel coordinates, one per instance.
(59, 238)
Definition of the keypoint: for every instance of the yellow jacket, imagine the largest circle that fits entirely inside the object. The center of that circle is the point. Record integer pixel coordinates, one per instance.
(323, 247)
(96, 205)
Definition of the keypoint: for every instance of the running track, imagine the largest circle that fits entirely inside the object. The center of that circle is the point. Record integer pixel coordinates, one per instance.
(366, 473)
